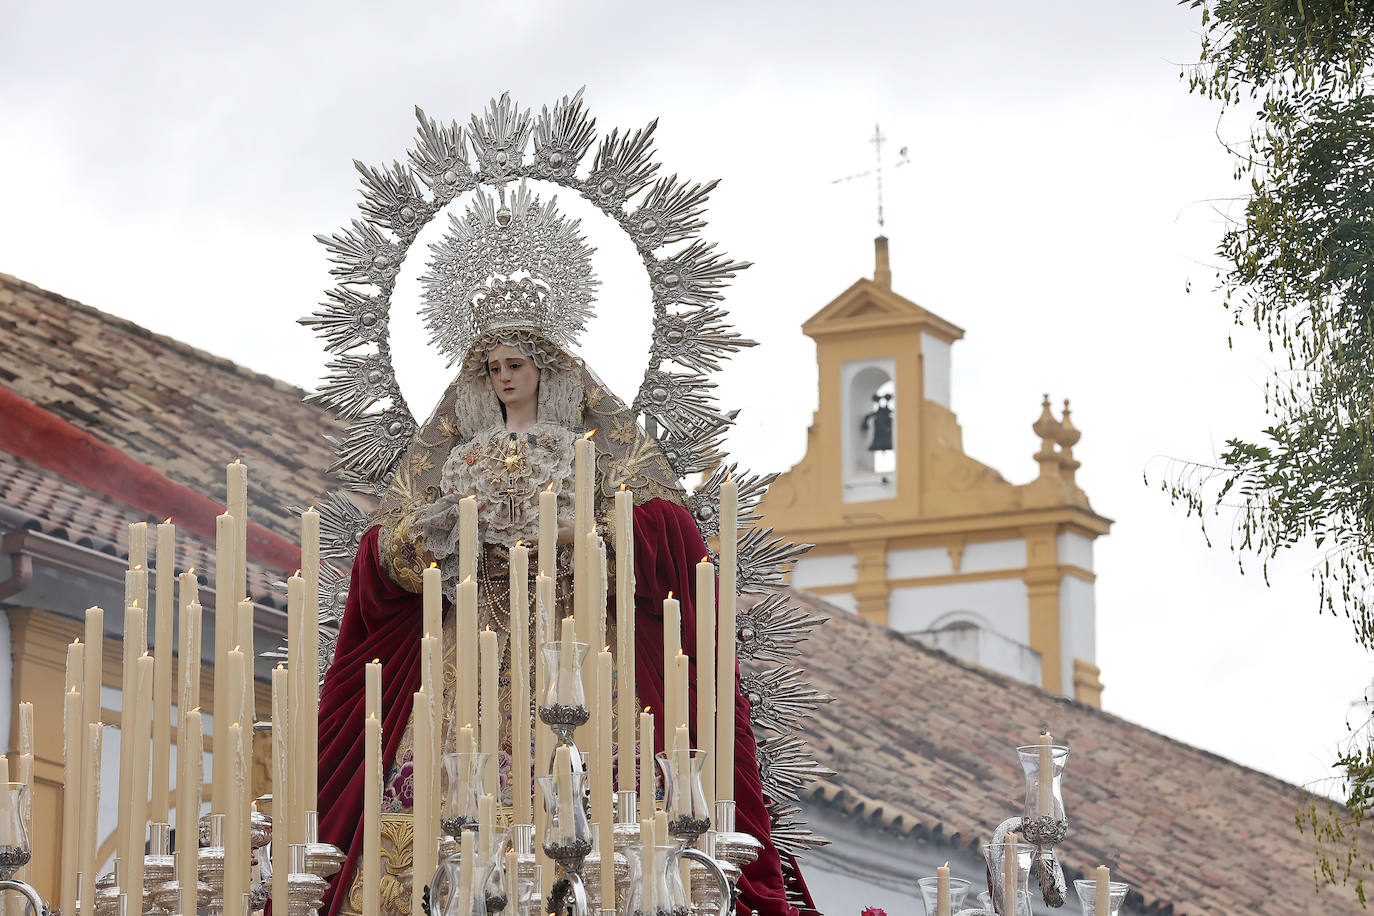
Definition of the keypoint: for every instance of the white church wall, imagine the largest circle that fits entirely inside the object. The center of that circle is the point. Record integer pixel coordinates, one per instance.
(936, 356)
(1076, 550)
(922, 561)
(834, 570)
(988, 556)
(1077, 626)
(844, 602)
(968, 636)
(1004, 603)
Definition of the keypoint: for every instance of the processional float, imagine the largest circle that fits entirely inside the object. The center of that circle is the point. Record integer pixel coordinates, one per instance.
(584, 844)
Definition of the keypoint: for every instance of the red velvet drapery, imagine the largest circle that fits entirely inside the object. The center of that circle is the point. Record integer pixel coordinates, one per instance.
(383, 621)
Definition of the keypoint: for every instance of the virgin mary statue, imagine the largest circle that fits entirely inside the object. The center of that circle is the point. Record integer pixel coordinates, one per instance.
(507, 291)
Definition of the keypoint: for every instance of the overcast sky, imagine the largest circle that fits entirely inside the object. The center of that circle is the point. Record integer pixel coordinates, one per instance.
(170, 163)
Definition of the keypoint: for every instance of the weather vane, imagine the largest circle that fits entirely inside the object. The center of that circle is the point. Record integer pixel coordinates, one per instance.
(902, 159)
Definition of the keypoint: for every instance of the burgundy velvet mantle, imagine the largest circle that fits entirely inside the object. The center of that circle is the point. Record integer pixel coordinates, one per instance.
(383, 621)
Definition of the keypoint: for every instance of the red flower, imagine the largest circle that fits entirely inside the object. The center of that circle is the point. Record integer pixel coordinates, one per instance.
(873, 911)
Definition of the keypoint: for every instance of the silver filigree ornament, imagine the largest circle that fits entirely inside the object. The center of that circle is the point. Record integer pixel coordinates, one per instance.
(663, 218)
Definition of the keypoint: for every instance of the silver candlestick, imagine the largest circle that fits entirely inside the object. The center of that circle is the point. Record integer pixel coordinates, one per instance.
(210, 865)
(159, 868)
(304, 889)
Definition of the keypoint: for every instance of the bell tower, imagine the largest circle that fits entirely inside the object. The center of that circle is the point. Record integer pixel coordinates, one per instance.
(911, 532)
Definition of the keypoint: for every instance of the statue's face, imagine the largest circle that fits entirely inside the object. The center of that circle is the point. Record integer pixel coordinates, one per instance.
(513, 376)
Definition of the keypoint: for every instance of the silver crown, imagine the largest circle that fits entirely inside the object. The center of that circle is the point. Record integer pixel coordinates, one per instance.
(519, 266)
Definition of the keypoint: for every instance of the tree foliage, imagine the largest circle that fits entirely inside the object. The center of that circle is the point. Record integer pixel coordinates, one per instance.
(1298, 265)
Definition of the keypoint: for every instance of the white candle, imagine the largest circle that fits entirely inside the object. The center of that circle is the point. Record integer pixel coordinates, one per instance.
(625, 635)
(237, 503)
(372, 813)
(672, 645)
(431, 677)
(562, 766)
(224, 641)
(548, 532)
(706, 676)
(162, 672)
(1045, 782)
(310, 654)
(372, 687)
(584, 462)
(725, 662)
(649, 887)
(602, 789)
(72, 732)
(282, 799)
(491, 719)
(646, 765)
(1102, 898)
(291, 819)
(236, 850)
(90, 808)
(486, 822)
(467, 864)
(680, 672)
(523, 803)
(26, 778)
(682, 742)
(1010, 873)
(190, 641)
(135, 643)
(467, 537)
(188, 805)
(942, 900)
(433, 596)
(138, 544)
(566, 668)
(136, 816)
(426, 825)
(247, 714)
(466, 651)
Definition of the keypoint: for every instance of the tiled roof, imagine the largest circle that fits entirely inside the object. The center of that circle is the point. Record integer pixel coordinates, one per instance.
(173, 407)
(35, 499)
(924, 744)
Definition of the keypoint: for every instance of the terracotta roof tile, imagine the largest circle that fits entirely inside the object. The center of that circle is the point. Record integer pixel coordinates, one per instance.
(934, 749)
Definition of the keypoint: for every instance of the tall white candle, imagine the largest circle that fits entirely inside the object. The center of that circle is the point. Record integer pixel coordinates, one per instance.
(548, 532)
(72, 732)
(135, 643)
(1102, 898)
(680, 759)
(426, 825)
(237, 501)
(466, 651)
(372, 814)
(247, 713)
(90, 810)
(491, 718)
(1010, 872)
(942, 899)
(726, 651)
(646, 765)
(189, 765)
(162, 672)
(672, 645)
(95, 666)
(190, 647)
(225, 636)
(432, 589)
(648, 865)
(602, 790)
(566, 662)
(291, 819)
(486, 823)
(1045, 781)
(706, 676)
(625, 635)
(310, 653)
(522, 803)
(562, 766)
(584, 464)
(467, 865)
(136, 815)
(236, 850)
(26, 779)
(282, 800)
(467, 537)
(138, 545)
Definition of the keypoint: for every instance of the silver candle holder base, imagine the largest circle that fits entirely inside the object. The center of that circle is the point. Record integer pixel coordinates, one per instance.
(304, 889)
(209, 866)
(159, 873)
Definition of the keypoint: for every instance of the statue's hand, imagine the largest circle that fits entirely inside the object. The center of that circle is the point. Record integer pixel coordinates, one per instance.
(565, 532)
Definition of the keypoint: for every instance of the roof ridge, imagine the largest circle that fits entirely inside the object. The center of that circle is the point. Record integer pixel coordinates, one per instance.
(139, 330)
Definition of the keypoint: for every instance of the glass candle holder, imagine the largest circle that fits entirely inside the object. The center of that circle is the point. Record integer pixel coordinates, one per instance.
(655, 887)
(529, 891)
(565, 674)
(568, 832)
(1086, 888)
(463, 782)
(491, 872)
(930, 894)
(995, 854)
(1045, 821)
(446, 890)
(683, 797)
(15, 851)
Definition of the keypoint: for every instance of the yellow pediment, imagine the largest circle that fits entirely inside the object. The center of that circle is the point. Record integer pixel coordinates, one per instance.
(868, 306)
